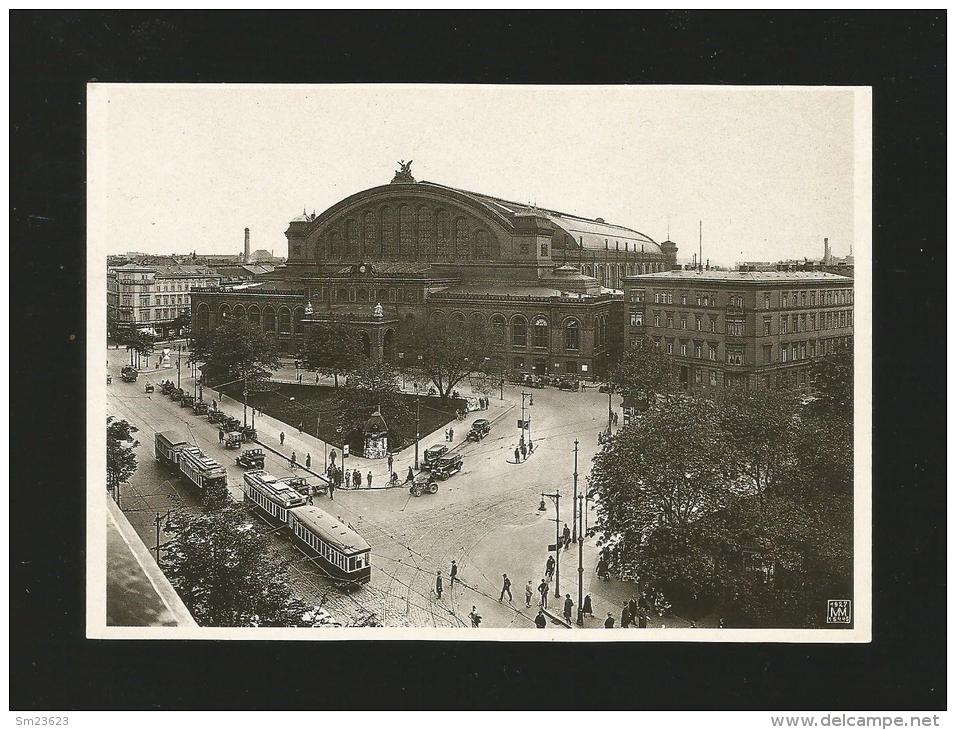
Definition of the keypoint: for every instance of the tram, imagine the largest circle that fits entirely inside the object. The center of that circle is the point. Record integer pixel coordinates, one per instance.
(202, 471)
(167, 447)
(270, 495)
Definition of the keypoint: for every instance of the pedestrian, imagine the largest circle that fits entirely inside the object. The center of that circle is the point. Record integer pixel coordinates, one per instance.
(410, 476)
(566, 535)
(393, 480)
(308, 461)
(586, 606)
(642, 620)
(475, 617)
(609, 621)
(720, 624)
(368, 479)
(300, 426)
(524, 452)
(282, 438)
(390, 463)
(625, 617)
(331, 489)
(530, 446)
(568, 606)
(332, 457)
(517, 455)
(540, 621)
(505, 588)
(543, 590)
(214, 405)
(316, 378)
(300, 378)
(357, 478)
(438, 585)
(222, 436)
(453, 573)
(451, 434)
(549, 567)
(308, 497)
(528, 592)
(632, 607)
(292, 460)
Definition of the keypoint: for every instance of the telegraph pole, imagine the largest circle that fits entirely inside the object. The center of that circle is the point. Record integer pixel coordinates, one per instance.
(574, 499)
(179, 362)
(609, 410)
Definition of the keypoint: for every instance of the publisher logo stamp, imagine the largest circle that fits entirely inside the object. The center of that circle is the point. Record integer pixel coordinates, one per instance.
(839, 611)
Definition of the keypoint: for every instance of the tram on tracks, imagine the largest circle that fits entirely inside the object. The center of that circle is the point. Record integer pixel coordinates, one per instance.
(172, 450)
(338, 549)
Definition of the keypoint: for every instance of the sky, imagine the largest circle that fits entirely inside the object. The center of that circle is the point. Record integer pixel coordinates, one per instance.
(768, 170)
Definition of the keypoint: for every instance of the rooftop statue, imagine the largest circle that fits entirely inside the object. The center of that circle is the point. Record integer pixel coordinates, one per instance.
(404, 173)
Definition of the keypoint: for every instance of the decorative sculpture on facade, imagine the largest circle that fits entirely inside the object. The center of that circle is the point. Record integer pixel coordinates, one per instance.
(404, 173)
(379, 311)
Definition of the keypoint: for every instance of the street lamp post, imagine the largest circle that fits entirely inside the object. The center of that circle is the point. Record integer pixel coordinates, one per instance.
(179, 360)
(530, 404)
(556, 498)
(609, 410)
(574, 499)
(580, 621)
(418, 413)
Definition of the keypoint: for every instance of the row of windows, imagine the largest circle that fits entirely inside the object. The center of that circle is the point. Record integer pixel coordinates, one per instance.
(331, 554)
(826, 298)
(612, 275)
(367, 295)
(809, 322)
(265, 503)
(688, 348)
(536, 332)
(540, 366)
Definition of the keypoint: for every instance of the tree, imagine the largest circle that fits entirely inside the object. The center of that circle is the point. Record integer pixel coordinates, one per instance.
(371, 386)
(226, 573)
(444, 357)
(832, 379)
(236, 351)
(664, 471)
(332, 349)
(182, 322)
(645, 369)
(120, 457)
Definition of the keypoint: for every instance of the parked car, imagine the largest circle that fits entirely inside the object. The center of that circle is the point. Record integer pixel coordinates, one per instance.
(568, 384)
(423, 484)
(479, 429)
(447, 465)
(433, 454)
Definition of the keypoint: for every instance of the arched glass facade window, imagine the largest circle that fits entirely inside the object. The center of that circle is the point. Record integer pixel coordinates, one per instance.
(239, 312)
(498, 330)
(461, 239)
(363, 295)
(476, 323)
(297, 316)
(425, 238)
(370, 247)
(269, 319)
(254, 317)
(352, 234)
(202, 317)
(388, 232)
(335, 247)
(285, 321)
(482, 249)
(441, 233)
(519, 331)
(539, 332)
(437, 321)
(406, 233)
(224, 312)
(572, 335)
(457, 322)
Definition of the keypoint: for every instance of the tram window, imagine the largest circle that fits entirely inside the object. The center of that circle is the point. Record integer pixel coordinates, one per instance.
(351, 564)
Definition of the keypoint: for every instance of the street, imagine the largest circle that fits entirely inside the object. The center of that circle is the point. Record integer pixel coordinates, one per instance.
(486, 517)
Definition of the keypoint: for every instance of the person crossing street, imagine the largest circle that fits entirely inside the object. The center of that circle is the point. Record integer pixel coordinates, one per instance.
(505, 588)
(543, 591)
(528, 593)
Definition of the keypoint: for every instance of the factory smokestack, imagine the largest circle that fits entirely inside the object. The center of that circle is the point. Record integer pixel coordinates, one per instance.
(245, 251)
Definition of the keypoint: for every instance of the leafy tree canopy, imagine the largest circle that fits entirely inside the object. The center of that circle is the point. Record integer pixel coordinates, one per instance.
(645, 368)
(120, 457)
(235, 351)
(443, 355)
(332, 349)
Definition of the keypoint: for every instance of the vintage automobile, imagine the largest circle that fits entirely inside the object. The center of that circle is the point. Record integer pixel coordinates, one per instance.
(200, 407)
(479, 429)
(150, 388)
(215, 416)
(186, 401)
(129, 374)
(423, 483)
(299, 484)
(432, 454)
(167, 387)
(233, 440)
(248, 433)
(177, 395)
(568, 384)
(252, 459)
(231, 424)
(446, 466)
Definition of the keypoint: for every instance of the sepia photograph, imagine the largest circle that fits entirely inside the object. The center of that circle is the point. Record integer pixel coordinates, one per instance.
(537, 363)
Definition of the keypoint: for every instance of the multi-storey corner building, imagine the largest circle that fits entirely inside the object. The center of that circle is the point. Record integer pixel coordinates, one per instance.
(543, 284)
(753, 328)
(153, 296)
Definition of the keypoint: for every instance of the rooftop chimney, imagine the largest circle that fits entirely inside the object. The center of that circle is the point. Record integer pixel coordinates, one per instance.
(245, 257)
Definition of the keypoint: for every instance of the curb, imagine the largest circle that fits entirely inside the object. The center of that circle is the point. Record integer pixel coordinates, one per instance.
(556, 618)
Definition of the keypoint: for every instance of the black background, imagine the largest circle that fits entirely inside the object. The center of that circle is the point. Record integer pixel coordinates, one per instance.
(902, 55)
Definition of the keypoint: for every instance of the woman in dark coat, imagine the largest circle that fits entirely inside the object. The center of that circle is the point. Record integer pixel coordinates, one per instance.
(586, 606)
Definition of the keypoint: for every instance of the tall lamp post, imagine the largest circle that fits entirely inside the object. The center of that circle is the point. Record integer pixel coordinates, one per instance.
(580, 541)
(523, 421)
(556, 498)
(574, 499)
(609, 410)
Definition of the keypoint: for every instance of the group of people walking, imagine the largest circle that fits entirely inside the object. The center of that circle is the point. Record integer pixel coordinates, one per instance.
(523, 451)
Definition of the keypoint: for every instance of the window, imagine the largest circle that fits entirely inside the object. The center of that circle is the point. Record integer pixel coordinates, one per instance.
(783, 324)
(519, 363)
(803, 350)
(767, 353)
(813, 298)
(498, 330)
(793, 351)
(803, 299)
(699, 300)
(735, 329)
(697, 376)
(713, 378)
(699, 322)
(657, 319)
(572, 335)
(698, 350)
(783, 353)
(683, 348)
(766, 301)
(637, 295)
(783, 299)
(813, 349)
(683, 299)
(657, 297)
(670, 321)
(539, 332)
(766, 325)
(712, 351)
(637, 319)
(519, 332)
(713, 324)
(735, 357)
(802, 323)
(683, 321)
(670, 347)
(544, 249)
(813, 322)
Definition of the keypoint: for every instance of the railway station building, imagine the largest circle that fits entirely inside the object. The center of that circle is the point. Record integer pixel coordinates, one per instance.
(546, 286)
